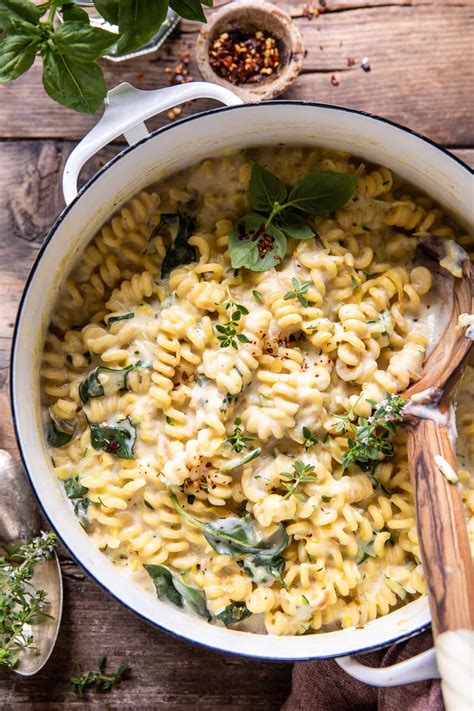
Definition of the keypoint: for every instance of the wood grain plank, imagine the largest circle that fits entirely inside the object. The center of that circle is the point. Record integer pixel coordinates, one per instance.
(416, 52)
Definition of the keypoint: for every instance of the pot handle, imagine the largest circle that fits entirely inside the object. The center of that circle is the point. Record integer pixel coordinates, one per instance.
(422, 666)
(126, 109)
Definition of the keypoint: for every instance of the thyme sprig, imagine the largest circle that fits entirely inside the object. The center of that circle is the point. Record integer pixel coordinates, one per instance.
(101, 681)
(21, 604)
(310, 438)
(301, 474)
(299, 291)
(369, 437)
(238, 440)
(228, 335)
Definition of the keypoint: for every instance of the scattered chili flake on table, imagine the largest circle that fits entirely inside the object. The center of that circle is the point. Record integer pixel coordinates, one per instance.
(244, 58)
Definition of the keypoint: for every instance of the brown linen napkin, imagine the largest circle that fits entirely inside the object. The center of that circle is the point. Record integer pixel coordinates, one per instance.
(323, 686)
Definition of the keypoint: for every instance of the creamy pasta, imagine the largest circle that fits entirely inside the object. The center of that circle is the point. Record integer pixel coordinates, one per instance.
(201, 416)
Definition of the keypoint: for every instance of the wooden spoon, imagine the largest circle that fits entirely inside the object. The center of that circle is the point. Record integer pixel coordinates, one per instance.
(440, 517)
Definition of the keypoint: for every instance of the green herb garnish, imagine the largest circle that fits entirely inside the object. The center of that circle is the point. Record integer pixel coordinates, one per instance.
(180, 228)
(237, 440)
(60, 432)
(99, 680)
(257, 296)
(117, 440)
(78, 494)
(173, 586)
(301, 474)
(240, 461)
(369, 439)
(235, 612)
(21, 604)
(310, 438)
(115, 380)
(259, 239)
(299, 291)
(262, 572)
(228, 335)
(119, 317)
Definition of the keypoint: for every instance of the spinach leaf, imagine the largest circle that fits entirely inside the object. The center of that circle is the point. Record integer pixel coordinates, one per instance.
(240, 461)
(294, 225)
(263, 571)
(235, 536)
(118, 440)
(180, 251)
(254, 245)
(116, 380)
(78, 494)
(119, 317)
(77, 84)
(60, 432)
(171, 585)
(322, 191)
(235, 612)
(138, 21)
(17, 54)
(265, 189)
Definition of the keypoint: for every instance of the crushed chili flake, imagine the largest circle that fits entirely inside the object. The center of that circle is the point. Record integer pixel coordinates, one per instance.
(350, 61)
(309, 11)
(334, 80)
(244, 58)
(112, 447)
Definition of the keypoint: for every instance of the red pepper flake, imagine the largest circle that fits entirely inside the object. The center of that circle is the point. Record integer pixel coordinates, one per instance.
(350, 61)
(112, 447)
(309, 11)
(265, 245)
(334, 80)
(244, 58)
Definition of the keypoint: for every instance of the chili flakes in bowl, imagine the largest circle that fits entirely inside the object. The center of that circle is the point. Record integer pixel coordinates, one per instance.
(243, 58)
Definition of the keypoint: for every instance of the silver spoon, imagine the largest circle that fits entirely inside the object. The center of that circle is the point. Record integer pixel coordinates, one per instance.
(19, 524)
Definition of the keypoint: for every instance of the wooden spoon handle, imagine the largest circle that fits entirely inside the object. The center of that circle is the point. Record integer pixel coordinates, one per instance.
(446, 557)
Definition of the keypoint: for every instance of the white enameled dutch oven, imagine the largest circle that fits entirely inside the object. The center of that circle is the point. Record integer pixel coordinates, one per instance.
(150, 157)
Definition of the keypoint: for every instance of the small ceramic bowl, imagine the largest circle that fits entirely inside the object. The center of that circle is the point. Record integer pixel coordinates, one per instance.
(251, 16)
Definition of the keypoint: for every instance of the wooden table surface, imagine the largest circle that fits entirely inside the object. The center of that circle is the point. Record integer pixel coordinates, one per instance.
(421, 58)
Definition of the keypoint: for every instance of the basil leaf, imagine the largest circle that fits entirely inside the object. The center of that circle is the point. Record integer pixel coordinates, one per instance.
(17, 54)
(78, 85)
(265, 189)
(78, 494)
(117, 440)
(18, 11)
(138, 21)
(180, 251)
(322, 191)
(60, 432)
(235, 536)
(254, 246)
(189, 9)
(240, 461)
(119, 317)
(73, 13)
(109, 9)
(91, 386)
(235, 612)
(294, 225)
(169, 584)
(81, 42)
(263, 571)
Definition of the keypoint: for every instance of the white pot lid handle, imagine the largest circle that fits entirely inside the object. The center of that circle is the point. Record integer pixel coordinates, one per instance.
(422, 666)
(126, 109)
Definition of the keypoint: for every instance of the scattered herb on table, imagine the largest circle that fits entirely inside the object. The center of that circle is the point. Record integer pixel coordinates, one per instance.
(238, 440)
(99, 680)
(299, 291)
(116, 439)
(301, 474)
(259, 239)
(70, 49)
(21, 604)
(369, 438)
(244, 58)
(78, 495)
(227, 332)
(180, 228)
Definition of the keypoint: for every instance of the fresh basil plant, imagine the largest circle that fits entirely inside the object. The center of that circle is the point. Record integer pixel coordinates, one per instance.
(70, 50)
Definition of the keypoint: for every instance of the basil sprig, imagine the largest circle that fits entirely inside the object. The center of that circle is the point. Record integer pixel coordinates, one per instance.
(116, 439)
(259, 239)
(172, 586)
(70, 50)
(78, 494)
